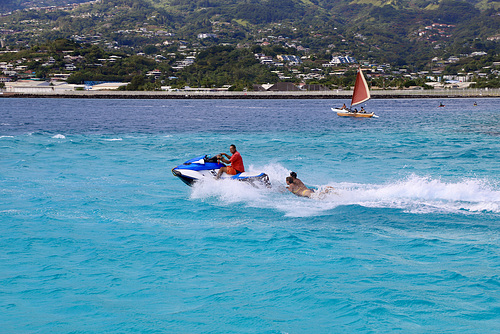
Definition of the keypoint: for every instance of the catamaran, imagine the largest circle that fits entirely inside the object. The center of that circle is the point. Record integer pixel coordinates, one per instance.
(360, 94)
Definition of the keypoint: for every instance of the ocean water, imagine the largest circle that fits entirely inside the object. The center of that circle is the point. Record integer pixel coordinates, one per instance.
(98, 236)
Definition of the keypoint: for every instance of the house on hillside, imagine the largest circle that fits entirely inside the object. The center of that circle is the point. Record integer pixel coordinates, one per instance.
(189, 60)
(283, 87)
(292, 60)
(206, 35)
(478, 53)
(69, 67)
(341, 60)
(263, 59)
(155, 73)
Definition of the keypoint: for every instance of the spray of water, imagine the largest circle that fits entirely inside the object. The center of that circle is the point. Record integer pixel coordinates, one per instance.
(415, 194)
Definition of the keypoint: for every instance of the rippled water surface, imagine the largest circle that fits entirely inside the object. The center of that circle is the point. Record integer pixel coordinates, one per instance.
(99, 236)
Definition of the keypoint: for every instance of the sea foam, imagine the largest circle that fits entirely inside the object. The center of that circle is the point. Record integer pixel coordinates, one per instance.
(416, 194)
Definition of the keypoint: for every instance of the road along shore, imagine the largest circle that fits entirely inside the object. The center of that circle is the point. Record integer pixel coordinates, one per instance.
(332, 94)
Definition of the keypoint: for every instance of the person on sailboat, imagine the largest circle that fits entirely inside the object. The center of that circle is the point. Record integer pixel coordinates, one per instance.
(235, 162)
(363, 110)
(343, 107)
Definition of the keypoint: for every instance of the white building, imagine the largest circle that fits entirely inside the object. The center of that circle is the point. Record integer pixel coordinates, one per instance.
(293, 60)
(206, 35)
(340, 60)
(34, 87)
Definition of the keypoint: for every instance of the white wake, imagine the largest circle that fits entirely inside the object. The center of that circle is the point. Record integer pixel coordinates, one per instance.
(415, 194)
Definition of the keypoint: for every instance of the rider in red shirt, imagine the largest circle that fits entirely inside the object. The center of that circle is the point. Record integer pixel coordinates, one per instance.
(235, 161)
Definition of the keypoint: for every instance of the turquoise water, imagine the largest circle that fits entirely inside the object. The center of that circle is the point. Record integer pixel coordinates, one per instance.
(99, 236)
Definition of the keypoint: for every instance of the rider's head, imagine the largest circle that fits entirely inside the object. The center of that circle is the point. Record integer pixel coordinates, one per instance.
(232, 149)
(293, 174)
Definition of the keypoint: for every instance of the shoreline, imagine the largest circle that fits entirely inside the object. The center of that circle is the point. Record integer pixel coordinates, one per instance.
(338, 94)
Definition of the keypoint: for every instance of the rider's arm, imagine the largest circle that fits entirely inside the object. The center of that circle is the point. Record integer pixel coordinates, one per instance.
(224, 160)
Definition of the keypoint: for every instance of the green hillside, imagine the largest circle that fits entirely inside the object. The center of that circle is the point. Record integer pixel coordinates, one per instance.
(10, 5)
(399, 32)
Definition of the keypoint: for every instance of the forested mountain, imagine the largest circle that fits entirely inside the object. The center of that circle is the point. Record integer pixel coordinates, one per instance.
(255, 5)
(399, 32)
(10, 5)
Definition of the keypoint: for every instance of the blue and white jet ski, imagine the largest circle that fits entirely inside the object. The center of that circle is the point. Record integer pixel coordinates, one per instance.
(205, 166)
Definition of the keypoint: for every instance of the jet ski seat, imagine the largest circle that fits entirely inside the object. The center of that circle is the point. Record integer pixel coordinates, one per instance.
(210, 159)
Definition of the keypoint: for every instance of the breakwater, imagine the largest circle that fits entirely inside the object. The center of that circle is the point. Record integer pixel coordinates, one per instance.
(333, 94)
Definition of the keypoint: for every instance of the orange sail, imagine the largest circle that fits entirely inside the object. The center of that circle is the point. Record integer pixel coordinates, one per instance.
(361, 92)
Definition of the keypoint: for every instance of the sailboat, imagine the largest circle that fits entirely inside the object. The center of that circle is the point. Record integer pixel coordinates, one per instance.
(360, 94)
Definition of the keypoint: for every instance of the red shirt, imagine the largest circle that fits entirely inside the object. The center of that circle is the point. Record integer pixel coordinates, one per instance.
(237, 162)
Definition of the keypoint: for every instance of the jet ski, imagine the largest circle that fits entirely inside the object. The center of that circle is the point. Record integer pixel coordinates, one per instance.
(203, 167)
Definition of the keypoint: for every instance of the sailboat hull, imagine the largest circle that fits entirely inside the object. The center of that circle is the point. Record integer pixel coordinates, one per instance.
(360, 94)
(347, 113)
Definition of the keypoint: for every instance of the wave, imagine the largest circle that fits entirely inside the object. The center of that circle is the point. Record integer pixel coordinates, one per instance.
(418, 194)
(413, 194)
(59, 136)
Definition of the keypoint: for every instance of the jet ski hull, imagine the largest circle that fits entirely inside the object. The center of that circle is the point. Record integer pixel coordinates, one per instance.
(204, 167)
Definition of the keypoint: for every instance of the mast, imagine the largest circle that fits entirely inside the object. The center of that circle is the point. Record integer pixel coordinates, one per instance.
(361, 92)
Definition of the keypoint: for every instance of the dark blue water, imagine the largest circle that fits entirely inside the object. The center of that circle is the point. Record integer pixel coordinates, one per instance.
(98, 236)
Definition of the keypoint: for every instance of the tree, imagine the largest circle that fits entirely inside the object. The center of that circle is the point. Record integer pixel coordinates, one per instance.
(137, 83)
(150, 49)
